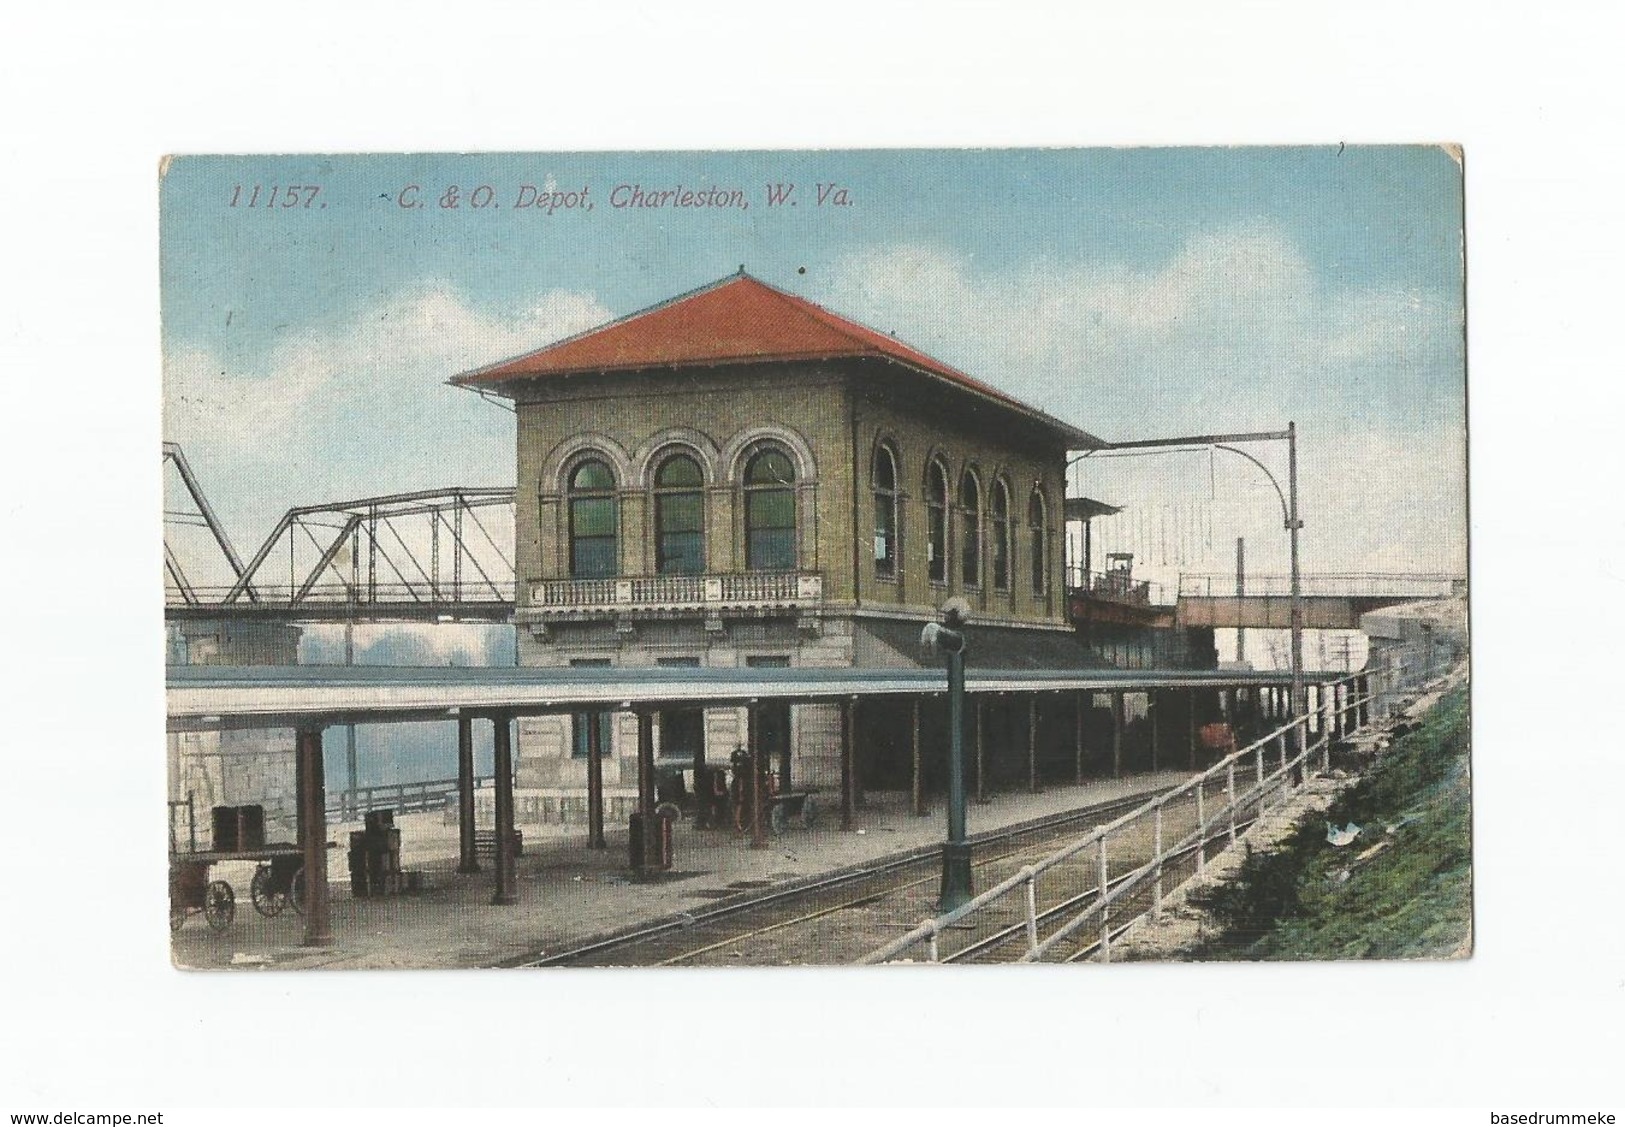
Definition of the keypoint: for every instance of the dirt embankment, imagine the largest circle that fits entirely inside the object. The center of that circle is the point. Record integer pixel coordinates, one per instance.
(1376, 865)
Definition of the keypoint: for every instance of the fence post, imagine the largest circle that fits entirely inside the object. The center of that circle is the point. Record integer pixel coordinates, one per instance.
(1156, 857)
(1105, 909)
(1032, 910)
(1258, 756)
(1201, 832)
(1230, 797)
(931, 945)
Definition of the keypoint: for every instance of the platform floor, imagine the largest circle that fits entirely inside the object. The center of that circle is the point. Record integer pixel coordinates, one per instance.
(568, 893)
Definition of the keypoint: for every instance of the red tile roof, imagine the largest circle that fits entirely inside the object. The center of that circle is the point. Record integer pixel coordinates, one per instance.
(736, 320)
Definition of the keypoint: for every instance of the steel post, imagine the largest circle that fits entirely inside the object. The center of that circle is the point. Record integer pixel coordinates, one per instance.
(312, 806)
(1032, 744)
(848, 706)
(1077, 738)
(1191, 697)
(502, 768)
(467, 855)
(1117, 735)
(1294, 525)
(1153, 712)
(595, 780)
(646, 790)
(981, 765)
(758, 772)
(957, 887)
(918, 781)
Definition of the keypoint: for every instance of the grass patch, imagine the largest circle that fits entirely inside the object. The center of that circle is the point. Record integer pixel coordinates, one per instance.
(1411, 900)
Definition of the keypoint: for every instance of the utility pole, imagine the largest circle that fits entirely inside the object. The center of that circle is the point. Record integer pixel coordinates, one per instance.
(1294, 526)
(1241, 593)
(948, 639)
(1289, 515)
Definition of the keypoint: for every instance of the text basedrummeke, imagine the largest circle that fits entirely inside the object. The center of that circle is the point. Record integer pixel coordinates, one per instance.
(636, 195)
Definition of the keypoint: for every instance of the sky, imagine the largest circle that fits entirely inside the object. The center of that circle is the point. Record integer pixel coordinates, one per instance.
(1137, 293)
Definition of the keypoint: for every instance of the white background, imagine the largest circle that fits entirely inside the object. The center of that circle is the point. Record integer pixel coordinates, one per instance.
(91, 97)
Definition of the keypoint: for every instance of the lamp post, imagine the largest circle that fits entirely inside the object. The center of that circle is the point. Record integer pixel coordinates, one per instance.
(947, 639)
(1289, 518)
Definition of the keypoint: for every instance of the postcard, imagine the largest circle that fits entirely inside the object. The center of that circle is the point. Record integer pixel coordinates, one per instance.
(816, 557)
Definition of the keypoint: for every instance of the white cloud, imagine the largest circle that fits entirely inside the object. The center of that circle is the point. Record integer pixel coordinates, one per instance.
(357, 409)
(1236, 318)
(1233, 331)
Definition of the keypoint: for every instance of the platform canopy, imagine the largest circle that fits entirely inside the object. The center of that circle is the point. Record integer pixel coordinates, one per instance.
(1087, 508)
(210, 698)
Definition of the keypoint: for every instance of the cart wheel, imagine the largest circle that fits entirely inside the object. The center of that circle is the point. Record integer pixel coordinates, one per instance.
(809, 812)
(177, 917)
(296, 890)
(777, 820)
(267, 900)
(219, 905)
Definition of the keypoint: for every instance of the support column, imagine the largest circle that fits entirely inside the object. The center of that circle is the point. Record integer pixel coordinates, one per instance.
(1364, 714)
(312, 784)
(501, 726)
(1152, 711)
(595, 780)
(981, 762)
(758, 773)
(919, 782)
(646, 790)
(1191, 698)
(1077, 749)
(848, 707)
(1117, 735)
(468, 860)
(1032, 744)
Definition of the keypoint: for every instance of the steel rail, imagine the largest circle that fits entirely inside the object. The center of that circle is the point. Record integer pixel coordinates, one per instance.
(834, 880)
(930, 928)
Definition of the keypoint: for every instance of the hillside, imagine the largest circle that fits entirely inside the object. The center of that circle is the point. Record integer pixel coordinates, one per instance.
(1401, 890)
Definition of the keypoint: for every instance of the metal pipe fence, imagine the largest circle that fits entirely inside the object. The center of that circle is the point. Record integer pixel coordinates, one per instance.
(404, 798)
(1276, 771)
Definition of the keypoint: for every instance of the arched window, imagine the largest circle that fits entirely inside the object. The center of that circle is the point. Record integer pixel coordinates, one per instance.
(1000, 506)
(1040, 542)
(770, 512)
(679, 517)
(970, 530)
(593, 522)
(885, 487)
(936, 523)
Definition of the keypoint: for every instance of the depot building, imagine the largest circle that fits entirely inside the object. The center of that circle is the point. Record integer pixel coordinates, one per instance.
(738, 477)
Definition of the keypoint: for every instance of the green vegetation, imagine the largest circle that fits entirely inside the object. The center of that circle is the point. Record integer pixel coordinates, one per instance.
(1409, 899)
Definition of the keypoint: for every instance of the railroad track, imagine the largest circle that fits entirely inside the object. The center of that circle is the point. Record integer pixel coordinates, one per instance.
(832, 919)
(1074, 884)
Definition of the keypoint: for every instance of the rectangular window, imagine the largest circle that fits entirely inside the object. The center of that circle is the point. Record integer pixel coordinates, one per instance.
(592, 538)
(680, 521)
(936, 544)
(885, 535)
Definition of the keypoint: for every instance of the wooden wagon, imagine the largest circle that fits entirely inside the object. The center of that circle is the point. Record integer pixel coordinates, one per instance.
(277, 882)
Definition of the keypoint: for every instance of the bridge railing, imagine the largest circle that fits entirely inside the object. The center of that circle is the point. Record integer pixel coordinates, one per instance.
(1419, 585)
(1115, 587)
(1269, 770)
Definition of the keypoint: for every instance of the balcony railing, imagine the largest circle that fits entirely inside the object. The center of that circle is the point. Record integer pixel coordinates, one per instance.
(1117, 587)
(751, 589)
